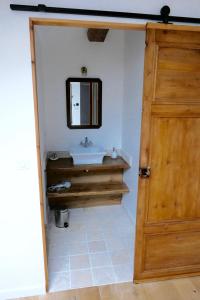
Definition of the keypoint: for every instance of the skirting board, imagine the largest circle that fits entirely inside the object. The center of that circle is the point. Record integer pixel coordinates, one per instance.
(25, 292)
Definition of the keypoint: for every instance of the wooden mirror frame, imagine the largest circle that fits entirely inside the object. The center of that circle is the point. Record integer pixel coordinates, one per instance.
(68, 102)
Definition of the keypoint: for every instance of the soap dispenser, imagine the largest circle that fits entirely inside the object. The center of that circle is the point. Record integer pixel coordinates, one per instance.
(114, 153)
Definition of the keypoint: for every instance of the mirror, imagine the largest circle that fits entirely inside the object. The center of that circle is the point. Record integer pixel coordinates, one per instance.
(84, 102)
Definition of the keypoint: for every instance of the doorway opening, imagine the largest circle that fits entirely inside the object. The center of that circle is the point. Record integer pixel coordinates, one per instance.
(98, 246)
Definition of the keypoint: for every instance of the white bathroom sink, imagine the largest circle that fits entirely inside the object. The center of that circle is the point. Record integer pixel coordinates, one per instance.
(87, 155)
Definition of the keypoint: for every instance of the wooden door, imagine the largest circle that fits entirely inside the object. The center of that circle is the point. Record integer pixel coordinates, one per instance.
(168, 213)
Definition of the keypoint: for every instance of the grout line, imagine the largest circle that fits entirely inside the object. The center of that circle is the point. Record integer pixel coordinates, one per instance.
(91, 268)
(85, 269)
(70, 279)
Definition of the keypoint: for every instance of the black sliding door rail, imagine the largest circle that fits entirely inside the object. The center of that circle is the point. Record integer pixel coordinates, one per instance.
(164, 16)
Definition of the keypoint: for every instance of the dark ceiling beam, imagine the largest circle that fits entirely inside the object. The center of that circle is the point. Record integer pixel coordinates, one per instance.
(97, 35)
(163, 17)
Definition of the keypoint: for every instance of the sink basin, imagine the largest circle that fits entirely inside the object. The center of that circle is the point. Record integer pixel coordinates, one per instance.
(87, 155)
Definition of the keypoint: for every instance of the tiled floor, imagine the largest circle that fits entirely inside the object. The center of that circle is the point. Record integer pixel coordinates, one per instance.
(96, 249)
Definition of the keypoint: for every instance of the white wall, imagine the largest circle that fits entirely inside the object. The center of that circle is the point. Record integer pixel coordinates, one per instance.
(21, 255)
(21, 258)
(61, 54)
(132, 107)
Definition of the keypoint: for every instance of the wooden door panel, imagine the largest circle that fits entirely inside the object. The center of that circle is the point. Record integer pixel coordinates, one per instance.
(177, 38)
(178, 75)
(171, 251)
(175, 110)
(168, 211)
(175, 176)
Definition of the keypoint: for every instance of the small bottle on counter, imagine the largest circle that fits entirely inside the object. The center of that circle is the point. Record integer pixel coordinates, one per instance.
(114, 153)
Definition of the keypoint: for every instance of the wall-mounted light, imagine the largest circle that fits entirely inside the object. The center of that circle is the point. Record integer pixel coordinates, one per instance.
(84, 70)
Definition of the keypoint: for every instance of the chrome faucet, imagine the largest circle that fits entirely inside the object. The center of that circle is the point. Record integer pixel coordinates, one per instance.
(86, 142)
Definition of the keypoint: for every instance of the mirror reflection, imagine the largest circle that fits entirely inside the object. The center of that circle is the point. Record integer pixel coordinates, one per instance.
(84, 102)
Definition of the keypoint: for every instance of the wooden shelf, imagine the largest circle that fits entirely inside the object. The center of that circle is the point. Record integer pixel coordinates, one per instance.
(91, 189)
(92, 185)
(84, 201)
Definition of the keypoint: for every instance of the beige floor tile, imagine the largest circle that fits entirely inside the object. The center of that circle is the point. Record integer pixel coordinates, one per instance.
(94, 235)
(121, 257)
(55, 251)
(81, 278)
(79, 262)
(100, 259)
(77, 248)
(116, 243)
(97, 246)
(103, 275)
(124, 273)
(58, 264)
(59, 281)
(110, 233)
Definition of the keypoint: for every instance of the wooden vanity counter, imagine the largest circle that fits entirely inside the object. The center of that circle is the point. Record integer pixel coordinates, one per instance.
(92, 185)
(66, 164)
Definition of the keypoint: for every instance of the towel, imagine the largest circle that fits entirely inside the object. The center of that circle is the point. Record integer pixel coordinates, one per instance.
(59, 186)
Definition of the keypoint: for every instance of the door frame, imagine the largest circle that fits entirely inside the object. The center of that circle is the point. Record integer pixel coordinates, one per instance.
(78, 24)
